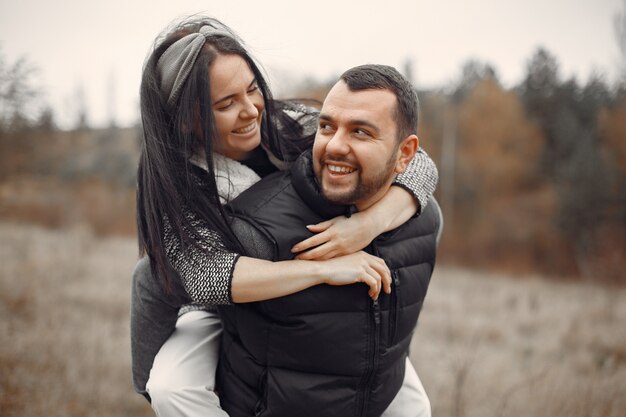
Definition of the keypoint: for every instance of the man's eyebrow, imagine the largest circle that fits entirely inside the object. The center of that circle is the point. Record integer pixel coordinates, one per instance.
(233, 95)
(361, 122)
(353, 122)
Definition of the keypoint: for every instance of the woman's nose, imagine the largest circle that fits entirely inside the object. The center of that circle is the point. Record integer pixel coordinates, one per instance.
(251, 108)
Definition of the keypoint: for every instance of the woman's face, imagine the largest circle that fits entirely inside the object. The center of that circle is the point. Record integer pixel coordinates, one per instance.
(237, 106)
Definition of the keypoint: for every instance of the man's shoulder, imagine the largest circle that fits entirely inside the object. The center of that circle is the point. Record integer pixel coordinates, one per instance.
(261, 193)
(246, 208)
(429, 221)
(254, 239)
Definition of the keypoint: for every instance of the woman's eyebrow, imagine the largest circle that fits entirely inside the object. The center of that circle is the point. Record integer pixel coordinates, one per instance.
(233, 95)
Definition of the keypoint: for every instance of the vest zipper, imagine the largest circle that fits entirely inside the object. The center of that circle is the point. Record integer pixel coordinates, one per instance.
(393, 305)
(373, 350)
(373, 360)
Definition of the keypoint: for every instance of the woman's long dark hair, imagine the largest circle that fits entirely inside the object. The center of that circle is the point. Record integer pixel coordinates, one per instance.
(169, 194)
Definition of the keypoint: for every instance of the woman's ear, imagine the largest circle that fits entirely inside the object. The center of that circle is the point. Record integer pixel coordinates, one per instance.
(406, 151)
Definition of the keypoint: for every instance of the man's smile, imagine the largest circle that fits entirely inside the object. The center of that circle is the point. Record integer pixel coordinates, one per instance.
(339, 169)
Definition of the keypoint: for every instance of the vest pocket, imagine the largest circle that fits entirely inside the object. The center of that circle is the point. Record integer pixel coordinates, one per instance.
(394, 305)
(261, 404)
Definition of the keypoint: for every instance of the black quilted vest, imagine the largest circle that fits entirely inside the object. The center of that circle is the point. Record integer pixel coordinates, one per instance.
(326, 351)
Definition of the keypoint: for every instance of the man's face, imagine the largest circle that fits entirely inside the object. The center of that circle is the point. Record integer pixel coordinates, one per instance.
(355, 154)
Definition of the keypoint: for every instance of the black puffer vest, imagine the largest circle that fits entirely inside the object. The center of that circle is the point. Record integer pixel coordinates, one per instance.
(326, 351)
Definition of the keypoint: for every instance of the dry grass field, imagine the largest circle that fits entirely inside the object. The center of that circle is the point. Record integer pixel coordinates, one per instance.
(497, 346)
(486, 345)
(64, 307)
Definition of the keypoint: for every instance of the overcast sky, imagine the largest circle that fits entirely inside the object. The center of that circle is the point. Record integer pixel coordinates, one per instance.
(100, 45)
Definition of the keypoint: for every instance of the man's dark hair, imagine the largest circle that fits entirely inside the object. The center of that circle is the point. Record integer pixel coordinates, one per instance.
(370, 76)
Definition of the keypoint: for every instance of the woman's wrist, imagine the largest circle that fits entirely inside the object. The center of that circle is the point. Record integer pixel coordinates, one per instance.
(257, 280)
(375, 219)
(318, 272)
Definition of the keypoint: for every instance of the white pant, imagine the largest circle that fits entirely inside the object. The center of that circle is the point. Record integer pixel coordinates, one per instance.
(182, 378)
(411, 400)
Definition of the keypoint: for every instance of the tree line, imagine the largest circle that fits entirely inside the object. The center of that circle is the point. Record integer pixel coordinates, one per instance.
(532, 177)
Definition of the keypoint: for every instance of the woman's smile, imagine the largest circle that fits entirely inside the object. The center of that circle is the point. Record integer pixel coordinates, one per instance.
(237, 106)
(246, 129)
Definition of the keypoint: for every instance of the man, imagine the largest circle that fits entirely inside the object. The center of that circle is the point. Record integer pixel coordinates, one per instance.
(331, 351)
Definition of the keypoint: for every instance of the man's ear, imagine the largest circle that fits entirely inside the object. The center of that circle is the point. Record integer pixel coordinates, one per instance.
(406, 151)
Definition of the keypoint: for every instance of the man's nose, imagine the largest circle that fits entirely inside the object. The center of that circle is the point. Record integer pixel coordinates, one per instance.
(338, 144)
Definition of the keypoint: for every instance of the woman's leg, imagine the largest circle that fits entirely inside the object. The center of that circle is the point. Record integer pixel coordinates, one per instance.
(411, 400)
(182, 378)
(153, 316)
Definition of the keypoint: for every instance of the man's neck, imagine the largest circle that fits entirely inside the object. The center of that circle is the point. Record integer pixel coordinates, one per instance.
(363, 205)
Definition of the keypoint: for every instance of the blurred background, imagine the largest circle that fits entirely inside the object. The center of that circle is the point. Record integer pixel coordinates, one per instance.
(523, 109)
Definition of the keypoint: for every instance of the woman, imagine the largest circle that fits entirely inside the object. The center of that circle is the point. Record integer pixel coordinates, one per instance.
(205, 106)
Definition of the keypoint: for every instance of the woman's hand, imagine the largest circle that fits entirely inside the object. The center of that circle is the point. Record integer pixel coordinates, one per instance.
(343, 236)
(259, 280)
(337, 237)
(358, 267)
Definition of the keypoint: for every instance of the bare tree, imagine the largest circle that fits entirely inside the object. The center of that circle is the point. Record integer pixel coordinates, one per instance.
(19, 94)
(45, 121)
(620, 36)
(408, 70)
(80, 104)
(111, 99)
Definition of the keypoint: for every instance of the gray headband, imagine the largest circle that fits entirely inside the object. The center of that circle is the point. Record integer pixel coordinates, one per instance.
(177, 61)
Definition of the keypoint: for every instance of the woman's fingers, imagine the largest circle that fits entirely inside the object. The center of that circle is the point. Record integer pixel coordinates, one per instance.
(326, 255)
(360, 267)
(375, 274)
(378, 269)
(382, 269)
(311, 242)
(373, 282)
(379, 277)
(319, 253)
(320, 227)
(318, 239)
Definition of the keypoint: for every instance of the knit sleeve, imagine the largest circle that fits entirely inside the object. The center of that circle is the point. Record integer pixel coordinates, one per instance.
(205, 270)
(420, 178)
(296, 125)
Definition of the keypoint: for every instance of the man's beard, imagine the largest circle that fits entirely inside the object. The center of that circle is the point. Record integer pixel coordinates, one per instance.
(363, 189)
